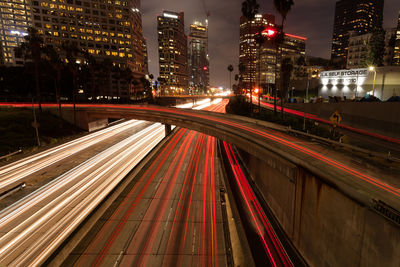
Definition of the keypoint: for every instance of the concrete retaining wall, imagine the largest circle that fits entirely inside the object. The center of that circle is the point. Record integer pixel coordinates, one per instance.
(381, 118)
(326, 226)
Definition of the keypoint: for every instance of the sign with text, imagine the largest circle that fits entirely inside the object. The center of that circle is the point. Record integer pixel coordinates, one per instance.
(344, 73)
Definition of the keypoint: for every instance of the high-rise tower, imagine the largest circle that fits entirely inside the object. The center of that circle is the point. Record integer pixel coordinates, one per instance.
(172, 51)
(358, 16)
(198, 58)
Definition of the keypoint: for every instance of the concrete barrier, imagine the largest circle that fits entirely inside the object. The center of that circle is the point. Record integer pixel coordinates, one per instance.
(328, 227)
(381, 118)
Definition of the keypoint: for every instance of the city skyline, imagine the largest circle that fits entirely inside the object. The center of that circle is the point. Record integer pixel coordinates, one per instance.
(224, 28)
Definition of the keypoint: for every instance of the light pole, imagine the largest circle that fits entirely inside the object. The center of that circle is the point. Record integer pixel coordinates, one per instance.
(372, 68)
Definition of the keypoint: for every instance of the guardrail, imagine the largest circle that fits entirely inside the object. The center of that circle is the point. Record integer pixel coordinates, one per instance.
(354, 148)
(11, 154)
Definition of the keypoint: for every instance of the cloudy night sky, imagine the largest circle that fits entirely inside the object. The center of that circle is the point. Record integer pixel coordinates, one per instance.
(309, 18)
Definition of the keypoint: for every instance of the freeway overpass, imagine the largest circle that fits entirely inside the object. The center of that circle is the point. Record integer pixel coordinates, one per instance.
(173, 100)
(333, 213)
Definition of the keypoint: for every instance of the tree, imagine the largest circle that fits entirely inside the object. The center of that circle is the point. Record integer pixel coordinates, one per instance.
(127, 75)
(72, 52)
(116, 71)
(249, 11)
(376, 48)
(242, 69)
(93, 66)
(230, 69)
(31, 49)
(286, 72)
(391, 44)
(57, 65)
(260, 40)
(107, 67)
(283, 7)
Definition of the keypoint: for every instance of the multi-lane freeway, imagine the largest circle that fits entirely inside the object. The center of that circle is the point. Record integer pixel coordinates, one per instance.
(172, 213)
(171, 216)
(33, 227)
(17, 172)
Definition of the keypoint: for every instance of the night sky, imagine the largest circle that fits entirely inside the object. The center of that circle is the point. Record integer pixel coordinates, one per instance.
(309, 18)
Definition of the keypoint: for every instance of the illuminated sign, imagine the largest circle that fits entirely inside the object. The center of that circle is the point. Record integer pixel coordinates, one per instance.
(344, 73)
(172, 16)
(269, 32)
(349, 83)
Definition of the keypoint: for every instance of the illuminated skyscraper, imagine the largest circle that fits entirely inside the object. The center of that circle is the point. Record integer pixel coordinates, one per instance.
(248, 54)
(198, 58)
(259, 61)
(359, 16)
(15, 18)
(172, 51)
(110, 29)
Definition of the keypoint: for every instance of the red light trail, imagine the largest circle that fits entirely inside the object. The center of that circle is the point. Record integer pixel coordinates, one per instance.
(307, 151)
(272, 246)
(173, 218)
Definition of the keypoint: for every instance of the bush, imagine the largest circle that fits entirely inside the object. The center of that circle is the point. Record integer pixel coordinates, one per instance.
(238, 105)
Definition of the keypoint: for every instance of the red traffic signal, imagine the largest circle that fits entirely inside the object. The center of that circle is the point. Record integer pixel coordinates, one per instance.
(205, 68)
(269, 32)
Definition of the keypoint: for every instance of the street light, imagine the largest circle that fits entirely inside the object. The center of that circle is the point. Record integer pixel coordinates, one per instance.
(372, 68)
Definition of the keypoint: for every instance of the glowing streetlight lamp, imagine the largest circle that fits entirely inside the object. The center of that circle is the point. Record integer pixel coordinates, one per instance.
(372, 68)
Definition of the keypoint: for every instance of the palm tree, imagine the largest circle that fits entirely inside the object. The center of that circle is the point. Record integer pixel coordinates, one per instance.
(116, 70)
(72, 52)
(283, 7)
(92, 65)
(286, 72)
(242, 69)
(127, 75)
(249, 10)
(230, 69)
(57, 65)
(107, 66)
(260, 40)
(31, 48)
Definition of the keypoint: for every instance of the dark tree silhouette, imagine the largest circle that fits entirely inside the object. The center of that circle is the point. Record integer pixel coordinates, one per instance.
(230, 69)
(283, 7)
(249, 10)
(31, 49)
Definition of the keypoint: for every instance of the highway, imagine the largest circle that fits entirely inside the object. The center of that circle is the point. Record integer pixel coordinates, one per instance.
(16, 173)
(346, 172)
(34, 226)
(171, 216)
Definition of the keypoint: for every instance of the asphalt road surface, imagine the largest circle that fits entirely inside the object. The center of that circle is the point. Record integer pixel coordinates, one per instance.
(171, 216)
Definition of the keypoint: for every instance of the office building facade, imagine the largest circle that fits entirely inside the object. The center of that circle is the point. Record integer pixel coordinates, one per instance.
(15, 18)
(172, 51)
(249, 49)
(359, 16)
(198, 60)
(260, 62)
(108, 30)
(359, 49)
